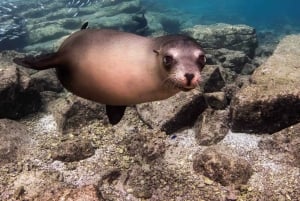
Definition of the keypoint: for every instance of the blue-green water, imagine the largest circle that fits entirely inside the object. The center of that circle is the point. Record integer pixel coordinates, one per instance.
(18, 18)
(261, 14)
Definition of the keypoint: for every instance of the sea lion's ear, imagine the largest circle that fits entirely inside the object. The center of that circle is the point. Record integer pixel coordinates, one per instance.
(156, 51)
(85, 25)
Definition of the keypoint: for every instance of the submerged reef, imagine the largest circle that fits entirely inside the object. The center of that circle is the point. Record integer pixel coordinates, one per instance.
(235, 137)
(12, 27)
(39, 25)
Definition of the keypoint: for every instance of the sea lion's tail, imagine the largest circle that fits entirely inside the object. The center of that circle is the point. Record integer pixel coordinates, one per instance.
(40, 62)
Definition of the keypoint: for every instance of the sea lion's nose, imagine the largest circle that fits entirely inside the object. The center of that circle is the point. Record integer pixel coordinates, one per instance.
(189, 77)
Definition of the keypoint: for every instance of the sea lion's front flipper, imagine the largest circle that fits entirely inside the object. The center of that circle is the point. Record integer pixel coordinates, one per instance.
(115, 113)
(40, 62)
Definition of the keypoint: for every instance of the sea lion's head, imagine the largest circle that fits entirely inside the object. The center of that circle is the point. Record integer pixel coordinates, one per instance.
(182, 59)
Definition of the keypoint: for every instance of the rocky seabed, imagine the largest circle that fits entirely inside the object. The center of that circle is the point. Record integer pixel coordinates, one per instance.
(236, 137)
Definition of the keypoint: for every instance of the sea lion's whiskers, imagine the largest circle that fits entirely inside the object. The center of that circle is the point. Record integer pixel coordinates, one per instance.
(170, 81)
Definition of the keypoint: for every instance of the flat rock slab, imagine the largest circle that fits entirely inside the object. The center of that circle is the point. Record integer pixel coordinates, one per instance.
(174, 113)
(271, 101)
(15, 140)
(285, 144)
(232, 37)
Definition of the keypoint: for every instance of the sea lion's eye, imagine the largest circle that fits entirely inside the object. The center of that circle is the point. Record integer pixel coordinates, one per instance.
(168, 60)
(201, 60)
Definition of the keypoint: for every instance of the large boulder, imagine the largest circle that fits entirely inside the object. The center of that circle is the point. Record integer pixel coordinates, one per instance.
(72, 112)
(225, 168)
(73, 150)
(232, 37)
(174, 113)
(211, 126)
(284, 144)
(271, 101)
(18, 97)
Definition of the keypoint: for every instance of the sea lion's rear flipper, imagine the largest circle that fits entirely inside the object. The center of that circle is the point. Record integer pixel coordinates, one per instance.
(40, 62)
(115, 113)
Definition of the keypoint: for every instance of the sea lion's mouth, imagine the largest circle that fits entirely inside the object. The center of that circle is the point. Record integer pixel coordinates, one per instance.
(178, 85)
(183, 87)
(186, 89)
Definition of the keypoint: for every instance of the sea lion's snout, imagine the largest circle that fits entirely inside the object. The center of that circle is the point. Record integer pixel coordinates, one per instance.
(190, 80)
(189, 77)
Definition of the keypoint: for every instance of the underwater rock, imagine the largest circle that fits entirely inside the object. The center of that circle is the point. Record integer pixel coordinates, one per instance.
(271, 101)
(44, 46)
(73, 150)
(113, 22)
(174, 113)
(18, 97)
(232, 37)
(14, 138)
(139, 180)
(248, 69)
(232, 59)
(285, 144)
(170, 25)
(143, 145)
(106, 3)
(50, 22)
(211, 126)
(46, 33)
(37, 185)
(223, 167)
(12, 27)
(72, 112)
(216, 100)
(232, 88)
(127, 6)
(46, 80)
(85, 193)
(213, 79)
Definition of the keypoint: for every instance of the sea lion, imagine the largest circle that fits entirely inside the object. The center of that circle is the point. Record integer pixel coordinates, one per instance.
(120, 69)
